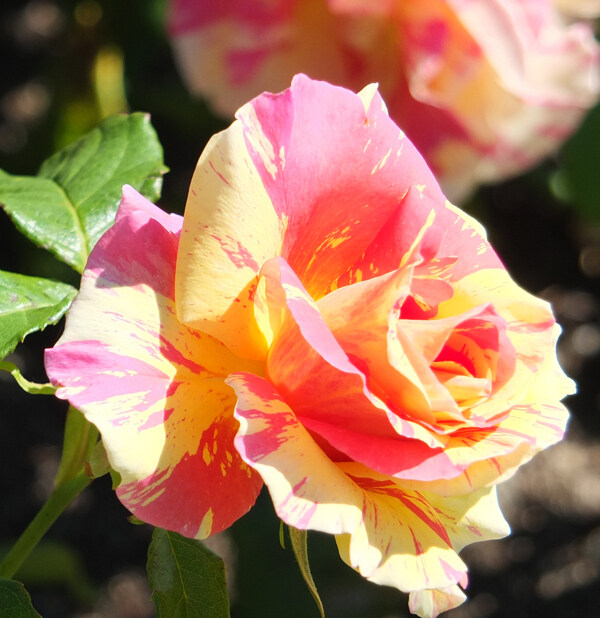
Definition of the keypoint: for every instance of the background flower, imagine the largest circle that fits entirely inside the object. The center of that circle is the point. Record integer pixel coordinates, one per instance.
(387, 372)
(484, 89)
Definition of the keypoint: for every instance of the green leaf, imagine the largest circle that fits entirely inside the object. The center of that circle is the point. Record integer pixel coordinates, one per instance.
(73, 199)
(15, 601)
(28, 304)
(67, 572)
(298, 539)
(186, 578)
(33, 388)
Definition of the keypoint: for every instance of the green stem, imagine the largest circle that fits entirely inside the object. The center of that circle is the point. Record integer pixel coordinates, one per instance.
(59, 500)
(79, 441)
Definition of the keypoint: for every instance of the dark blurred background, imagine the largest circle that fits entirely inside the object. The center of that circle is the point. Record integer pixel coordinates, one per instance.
(66, 65)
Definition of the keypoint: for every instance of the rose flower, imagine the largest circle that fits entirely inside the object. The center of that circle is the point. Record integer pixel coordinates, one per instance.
(484, 89)
(324, 321)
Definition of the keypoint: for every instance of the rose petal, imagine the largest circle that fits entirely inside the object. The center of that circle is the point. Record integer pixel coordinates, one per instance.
(230, 229)
(360, 316)
(391, 535)
(491, 456)
(231, 52)
(438, 527)
(431, 603)
(141, 377)
(530, 327)
(336, 177)
(304, 347)
(133, 202)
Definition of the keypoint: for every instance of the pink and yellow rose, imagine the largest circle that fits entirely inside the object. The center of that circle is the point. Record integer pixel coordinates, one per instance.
(483, 88)
(324, 321)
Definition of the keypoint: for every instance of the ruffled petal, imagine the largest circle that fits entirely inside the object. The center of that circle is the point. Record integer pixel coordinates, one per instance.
(303, 346)
(491, 456)
(230, 229)
(336, 177)
(391, 535)
(431, 603)
(416, 533)
(530, 327)
(153, 387)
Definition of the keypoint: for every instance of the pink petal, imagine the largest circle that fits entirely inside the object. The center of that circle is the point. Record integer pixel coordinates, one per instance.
(391, 535)
(337, 177)
(142, 377)
(339, 407)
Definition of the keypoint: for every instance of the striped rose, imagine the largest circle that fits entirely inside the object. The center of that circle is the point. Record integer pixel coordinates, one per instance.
(324, 321)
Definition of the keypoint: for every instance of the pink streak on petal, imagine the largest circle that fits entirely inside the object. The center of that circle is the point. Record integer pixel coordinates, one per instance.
(175, 356)
(148, 260)
(214, 169)
(336, 177)
(393, 454)
(115, 374)
(239, 256)
(177, 498)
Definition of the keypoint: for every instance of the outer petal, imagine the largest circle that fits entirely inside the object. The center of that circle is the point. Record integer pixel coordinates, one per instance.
(429, 226)
(431, 603)
(336, 177)
(391, 535)
(438, 527)
(133, 202)
(153, 387)
(492, 456)
(230, 229)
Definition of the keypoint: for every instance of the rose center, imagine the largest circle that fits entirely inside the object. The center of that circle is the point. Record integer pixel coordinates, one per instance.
(464, 369)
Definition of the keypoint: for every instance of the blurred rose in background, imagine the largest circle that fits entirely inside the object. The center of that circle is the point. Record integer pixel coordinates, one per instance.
(484, 88)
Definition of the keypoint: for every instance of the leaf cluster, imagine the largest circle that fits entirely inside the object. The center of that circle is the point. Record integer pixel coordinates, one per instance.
(66, 207)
